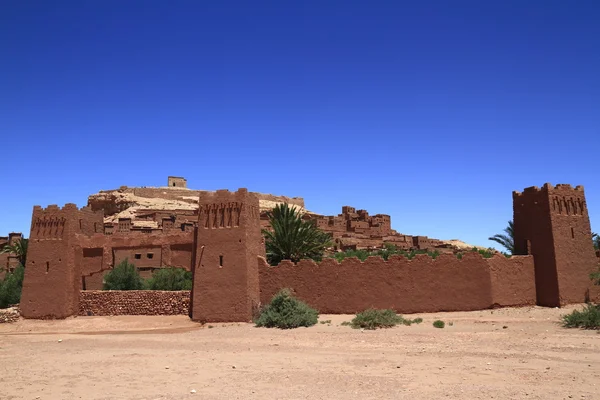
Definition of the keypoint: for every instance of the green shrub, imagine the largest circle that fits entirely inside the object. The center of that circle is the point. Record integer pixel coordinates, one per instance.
(385, 253)
(439, 324)
(373, 319)
(123, 277)
(595, 277)
(286, 312)
(417, 320)
(10, 287)
(588, 318)
(169, 279)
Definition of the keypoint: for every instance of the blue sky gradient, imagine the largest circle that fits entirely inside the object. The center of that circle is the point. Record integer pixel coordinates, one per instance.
(432, 112)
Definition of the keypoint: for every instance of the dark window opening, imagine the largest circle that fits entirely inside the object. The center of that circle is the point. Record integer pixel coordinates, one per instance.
(138, 256)
(173, 183)
(572, 233)
(47, 266)
(150, 255)
(220, 261)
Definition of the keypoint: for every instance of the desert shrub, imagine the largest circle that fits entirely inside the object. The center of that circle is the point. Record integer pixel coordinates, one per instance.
(10, 287)
(123, 277)
(360, 254)
(169, 279)
(417, 320)
(286, 312)
(485, 253)
(595, 277)
(439, 324)
(385, 253)
(373, 319)
(588, 318)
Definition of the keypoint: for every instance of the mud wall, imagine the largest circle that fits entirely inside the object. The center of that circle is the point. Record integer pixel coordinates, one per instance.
(513, 280)
(422, 284)
(134, 302)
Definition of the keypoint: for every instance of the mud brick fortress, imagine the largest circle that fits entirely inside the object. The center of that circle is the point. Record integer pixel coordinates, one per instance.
(219, 239)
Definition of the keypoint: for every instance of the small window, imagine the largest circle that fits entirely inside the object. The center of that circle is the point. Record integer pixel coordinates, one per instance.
(220, 261)
(150, 255)
(572, 233)
(47, 266)
(138, 256)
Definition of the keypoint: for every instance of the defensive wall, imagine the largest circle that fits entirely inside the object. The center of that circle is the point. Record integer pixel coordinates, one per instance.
(422, 284)
(68, 252)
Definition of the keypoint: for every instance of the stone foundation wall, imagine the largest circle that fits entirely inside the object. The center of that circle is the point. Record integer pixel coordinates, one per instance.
(133, 302)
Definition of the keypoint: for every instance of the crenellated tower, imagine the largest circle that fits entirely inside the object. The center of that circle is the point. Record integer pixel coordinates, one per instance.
(553, 225)
(228, 241)
(52, 278)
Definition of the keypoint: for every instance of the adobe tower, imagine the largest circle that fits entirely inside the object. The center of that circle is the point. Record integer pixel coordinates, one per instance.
(553, 225)
(228, 241)
(52, 275)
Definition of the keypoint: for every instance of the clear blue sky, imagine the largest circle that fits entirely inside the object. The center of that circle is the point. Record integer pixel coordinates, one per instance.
(430, 111)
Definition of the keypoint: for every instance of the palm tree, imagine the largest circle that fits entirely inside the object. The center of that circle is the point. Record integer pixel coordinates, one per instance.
(596, 240)
(292, 238)
(18, 248)
(506, 240)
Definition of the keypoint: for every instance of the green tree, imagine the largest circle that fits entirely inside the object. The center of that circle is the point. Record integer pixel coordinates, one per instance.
(11, 286)
(293, 238)
(19, 248)
(123, 277)
(170, 279)
(506, 240)
(596, 240)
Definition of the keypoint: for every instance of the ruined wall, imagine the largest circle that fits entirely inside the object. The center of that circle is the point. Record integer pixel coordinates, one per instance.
(176, 181)
(552, 224)
(134, 302)
(422, 284)
(228, 243)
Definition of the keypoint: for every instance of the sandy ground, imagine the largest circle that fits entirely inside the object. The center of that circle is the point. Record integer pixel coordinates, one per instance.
(167, 357)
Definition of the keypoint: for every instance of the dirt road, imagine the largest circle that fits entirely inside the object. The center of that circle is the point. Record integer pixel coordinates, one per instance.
(500, 354)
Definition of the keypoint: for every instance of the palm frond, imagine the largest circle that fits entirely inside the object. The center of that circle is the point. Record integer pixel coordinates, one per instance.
(506, 240)
(292, 238)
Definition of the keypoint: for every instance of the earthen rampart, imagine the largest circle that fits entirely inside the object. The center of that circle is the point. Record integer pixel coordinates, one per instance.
(134, 302)
(422, 284)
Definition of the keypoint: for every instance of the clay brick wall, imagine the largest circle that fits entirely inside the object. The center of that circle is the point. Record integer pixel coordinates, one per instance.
(134, 302)
(99, 253)
(513, 280)
(407, 286)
